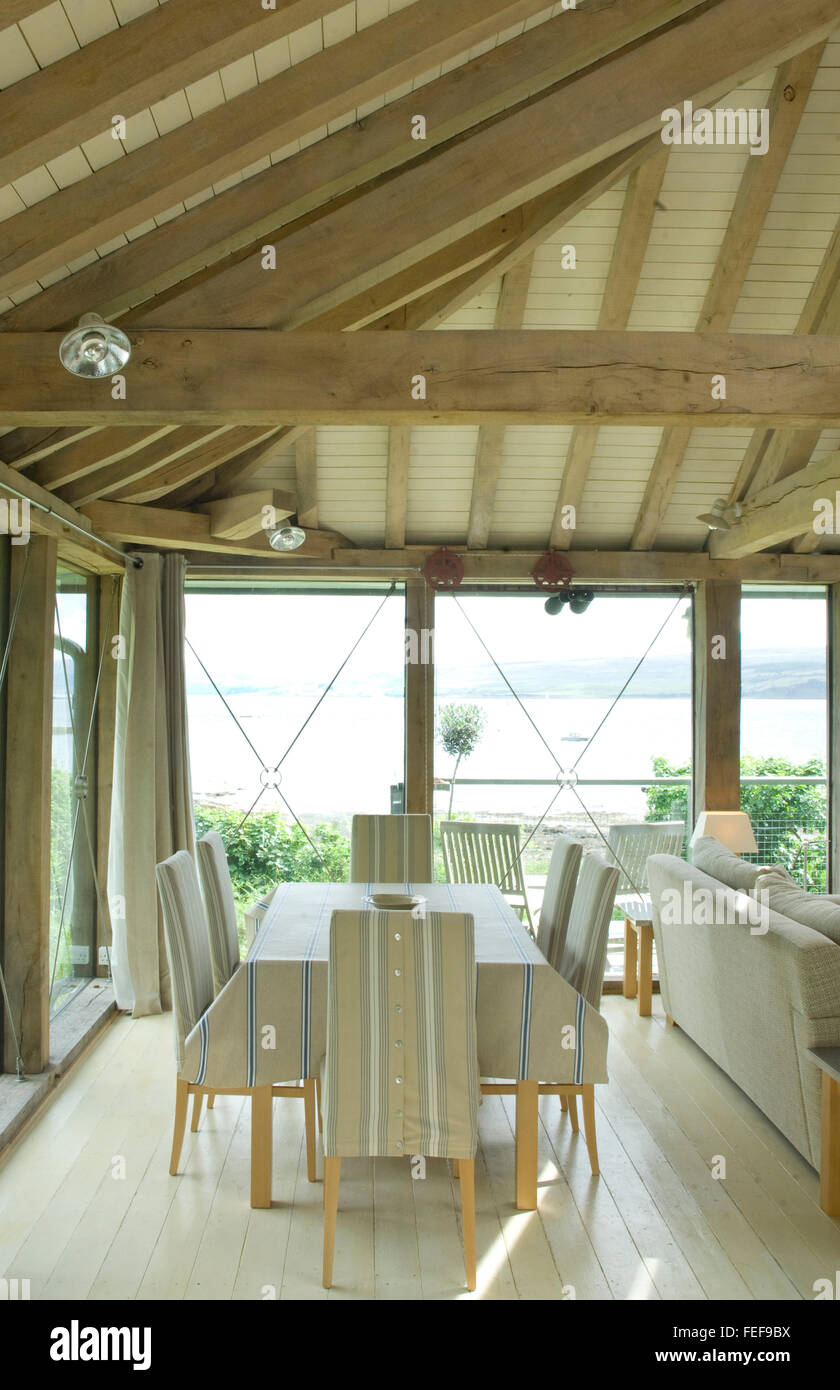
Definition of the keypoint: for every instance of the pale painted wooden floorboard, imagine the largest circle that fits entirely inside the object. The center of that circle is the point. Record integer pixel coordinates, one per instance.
(656, 1224)
(777, 1235)
(617, 1252)
(746, 1252)
(781, 1171)
(682, 1214)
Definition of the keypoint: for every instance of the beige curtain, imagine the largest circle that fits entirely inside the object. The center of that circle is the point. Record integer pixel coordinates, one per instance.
(151, 812)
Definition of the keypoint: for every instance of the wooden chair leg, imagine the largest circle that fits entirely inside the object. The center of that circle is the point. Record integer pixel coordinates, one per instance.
(182, 1100)
(198, 1097)
(211, 1099)
(629, 984)
(527, 1128)
(466, 1171)
(309, 1111)
(320, 1113)
(456, 1167)
(261, 1118)
(332, 1177)
(573, 1115)
(588, 1102)
(564, 1102)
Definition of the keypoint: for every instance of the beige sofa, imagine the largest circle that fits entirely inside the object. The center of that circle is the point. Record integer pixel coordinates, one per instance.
(754, 986)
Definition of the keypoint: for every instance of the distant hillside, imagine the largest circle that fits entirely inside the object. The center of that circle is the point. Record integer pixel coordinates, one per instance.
(768, 675)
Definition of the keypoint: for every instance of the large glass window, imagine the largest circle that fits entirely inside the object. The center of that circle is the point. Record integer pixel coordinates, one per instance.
(784, 727)
(296, 714)
(73, 838)
(604, 694)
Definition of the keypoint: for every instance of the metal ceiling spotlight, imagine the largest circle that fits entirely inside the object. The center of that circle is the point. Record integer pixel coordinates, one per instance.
(557, 602)
(716, 519)
(94, 348)
(286, 537)
(580, 599)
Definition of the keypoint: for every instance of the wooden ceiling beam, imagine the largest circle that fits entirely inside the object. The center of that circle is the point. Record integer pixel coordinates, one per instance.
(131, 68)
(551, 138)
(510, 312)
(177, 530)
(306, 474)
(637, 215)
(96, 451)
(228, 138)
(185, 468)
(757, 188)
(516, 566)
(239, 518)
(396, 486)
(262, 205)
(780, 512)
(457, 377)
(132, 465)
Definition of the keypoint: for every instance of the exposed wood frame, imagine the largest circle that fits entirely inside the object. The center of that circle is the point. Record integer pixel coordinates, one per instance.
(52, 523)
(419, 698)
(167, 529)
(94, 452)
(116, 473)
(27, 888)
(131, 68)
(786, 104)
(458, 377)
(266, 202)
(716, 781)
(833, 737)
(510, 312)
(236, 134)
(785, 509)
(632, 237)
(396, 486)
(550, 138)
(239, 518)
(306, 475)
(106, 712)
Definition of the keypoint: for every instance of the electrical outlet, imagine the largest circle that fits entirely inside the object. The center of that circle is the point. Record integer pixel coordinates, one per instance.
(79, 955)
(104, 958)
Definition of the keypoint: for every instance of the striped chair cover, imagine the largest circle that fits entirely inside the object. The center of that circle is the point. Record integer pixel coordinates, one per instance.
(187, 944)
(220, 905)
(391, 849)
(631, 844)
(400, 1074)
(557, 899)
(584, 956)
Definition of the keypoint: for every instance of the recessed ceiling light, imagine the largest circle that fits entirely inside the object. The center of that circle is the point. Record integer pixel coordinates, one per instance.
(94, 348)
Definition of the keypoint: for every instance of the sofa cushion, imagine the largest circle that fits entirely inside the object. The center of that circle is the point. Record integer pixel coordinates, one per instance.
(715, 859)
(809, 909)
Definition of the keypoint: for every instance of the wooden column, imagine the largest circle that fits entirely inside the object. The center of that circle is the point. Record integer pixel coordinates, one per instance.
(109, 627)
(833, 591)
(26, 946)
(419, 697)
(717, 697)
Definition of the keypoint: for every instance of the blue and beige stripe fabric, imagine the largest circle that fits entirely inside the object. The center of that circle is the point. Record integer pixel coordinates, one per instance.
(270, 1022)
(187, 947)
(391, 849)
(557, 898)
(585, 950)
(401, 1070)
(220, 905)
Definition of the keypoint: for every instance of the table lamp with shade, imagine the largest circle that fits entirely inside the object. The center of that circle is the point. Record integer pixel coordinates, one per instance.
(733, 829)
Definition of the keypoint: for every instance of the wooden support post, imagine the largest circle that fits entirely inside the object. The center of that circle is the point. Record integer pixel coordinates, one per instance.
(26, 945)
(419, 697)
(717, 697)
(833, 736)
(109, 626)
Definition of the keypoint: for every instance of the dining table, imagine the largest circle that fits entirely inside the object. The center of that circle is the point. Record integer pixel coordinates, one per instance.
(268, 1024)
